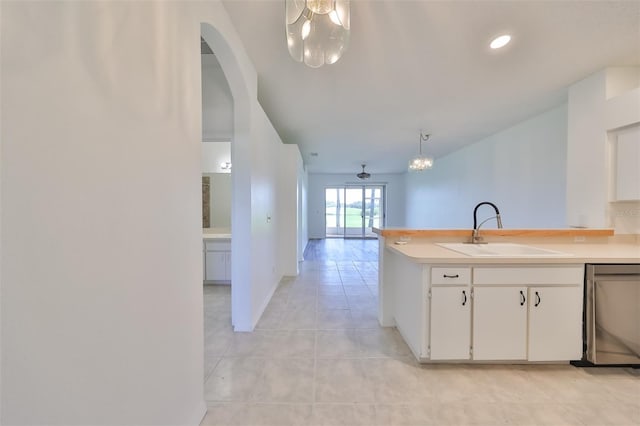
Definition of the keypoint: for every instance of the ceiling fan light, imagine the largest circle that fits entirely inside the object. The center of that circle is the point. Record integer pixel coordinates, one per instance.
(363, 175)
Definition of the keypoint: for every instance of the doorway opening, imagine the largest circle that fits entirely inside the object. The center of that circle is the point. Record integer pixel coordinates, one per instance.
(352, 211)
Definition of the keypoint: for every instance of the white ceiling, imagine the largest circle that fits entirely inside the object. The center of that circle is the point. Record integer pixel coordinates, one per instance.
(415, 65)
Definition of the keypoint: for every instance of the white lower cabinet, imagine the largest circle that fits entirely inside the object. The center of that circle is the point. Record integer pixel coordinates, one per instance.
(500, 323)
(217, 266)
(217, 261)
(555, 317)
(516, 313)
(450, 323)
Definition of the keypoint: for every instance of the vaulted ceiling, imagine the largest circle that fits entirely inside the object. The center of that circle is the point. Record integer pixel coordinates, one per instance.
(426, 65)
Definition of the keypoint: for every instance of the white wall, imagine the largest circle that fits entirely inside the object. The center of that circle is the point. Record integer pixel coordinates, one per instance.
(587, 174)
(266, 225)
(217, 102)
(101, 267)
(289, 208)
(101, 260)
(395, 201)
(521, 170)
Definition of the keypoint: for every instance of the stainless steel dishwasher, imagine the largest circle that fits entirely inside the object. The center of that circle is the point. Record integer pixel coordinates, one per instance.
(612, 314)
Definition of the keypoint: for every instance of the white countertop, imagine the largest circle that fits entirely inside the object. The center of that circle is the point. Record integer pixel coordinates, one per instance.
(216, 234)
(422, 252)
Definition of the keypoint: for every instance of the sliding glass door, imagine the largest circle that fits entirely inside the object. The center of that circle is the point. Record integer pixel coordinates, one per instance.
(373, 213)
(352, 211)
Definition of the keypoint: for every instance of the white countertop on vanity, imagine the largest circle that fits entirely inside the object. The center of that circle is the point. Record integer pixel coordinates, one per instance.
(216, 234)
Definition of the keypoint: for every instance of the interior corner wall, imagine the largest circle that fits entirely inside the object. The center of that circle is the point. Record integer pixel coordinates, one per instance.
(394, 202)
(521, 169)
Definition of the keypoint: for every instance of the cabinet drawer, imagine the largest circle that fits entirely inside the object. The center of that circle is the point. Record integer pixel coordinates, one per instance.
(212, 245)
(529, 275)
(450, 275)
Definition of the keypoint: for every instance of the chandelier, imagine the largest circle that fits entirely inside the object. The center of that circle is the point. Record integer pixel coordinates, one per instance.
(317, 30)
(420, 162)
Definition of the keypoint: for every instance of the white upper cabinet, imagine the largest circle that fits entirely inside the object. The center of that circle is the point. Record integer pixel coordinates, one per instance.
(627, 164)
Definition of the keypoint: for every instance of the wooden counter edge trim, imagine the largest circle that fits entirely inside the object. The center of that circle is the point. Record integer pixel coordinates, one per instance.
(571, 232)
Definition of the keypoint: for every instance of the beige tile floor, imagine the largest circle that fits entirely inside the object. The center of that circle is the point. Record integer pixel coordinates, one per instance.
(319, 357)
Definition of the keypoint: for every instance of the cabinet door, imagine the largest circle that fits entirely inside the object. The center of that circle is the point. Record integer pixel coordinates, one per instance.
(499, 323)
(450, 322)
(627, 170)
(555, 323)
(215, 266)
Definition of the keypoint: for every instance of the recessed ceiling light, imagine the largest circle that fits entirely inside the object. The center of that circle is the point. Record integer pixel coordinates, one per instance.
(500, 41)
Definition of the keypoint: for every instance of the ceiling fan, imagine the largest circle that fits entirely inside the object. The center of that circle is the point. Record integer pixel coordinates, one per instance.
(363, 175)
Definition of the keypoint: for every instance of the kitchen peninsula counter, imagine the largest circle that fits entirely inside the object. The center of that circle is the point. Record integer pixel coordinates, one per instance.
(520, 233)
(454, 307)
(609, 252)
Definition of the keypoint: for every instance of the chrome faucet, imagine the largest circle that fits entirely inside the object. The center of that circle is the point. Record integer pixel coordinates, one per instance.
(475, 238)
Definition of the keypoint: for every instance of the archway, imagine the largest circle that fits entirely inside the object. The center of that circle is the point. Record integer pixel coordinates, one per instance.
(241, 91)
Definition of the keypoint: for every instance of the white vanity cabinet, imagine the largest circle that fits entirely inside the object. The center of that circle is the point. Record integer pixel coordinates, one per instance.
(217, 260)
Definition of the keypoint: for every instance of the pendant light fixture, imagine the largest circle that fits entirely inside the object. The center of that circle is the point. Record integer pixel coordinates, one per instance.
(317, 30)
(363, 175)
(421, 162)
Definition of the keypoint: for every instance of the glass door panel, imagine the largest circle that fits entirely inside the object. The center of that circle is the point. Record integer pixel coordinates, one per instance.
(372, 209)
(353, 216)
(334, 212)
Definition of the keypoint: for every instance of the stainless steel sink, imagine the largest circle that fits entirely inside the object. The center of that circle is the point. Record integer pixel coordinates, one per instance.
(501, 250)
